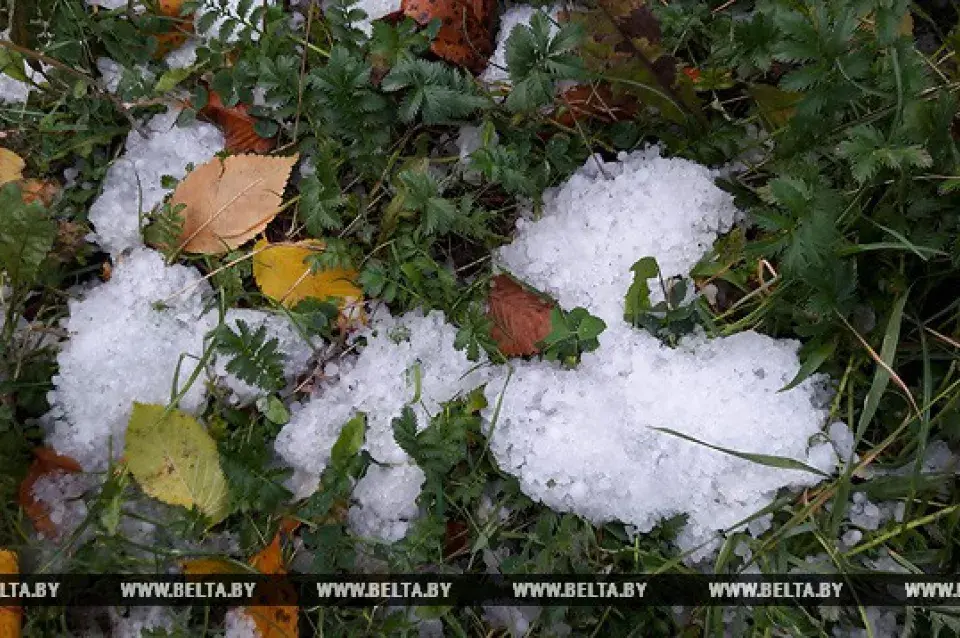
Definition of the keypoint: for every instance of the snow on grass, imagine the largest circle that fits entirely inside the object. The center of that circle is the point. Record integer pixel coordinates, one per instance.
(496, 71)
(295, 350)
(133, 182)
(12, 90)
(643, 205)
(386, 500)
(582, 440)
(239, 624)
(124, 346)
(406, 360)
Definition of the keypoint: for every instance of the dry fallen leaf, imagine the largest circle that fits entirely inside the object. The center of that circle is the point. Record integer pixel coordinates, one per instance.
(237, 126)
(45, 462)
(466, 31)
(229, 202)
(274, 619)
(10, 615)
(39, 190)
(11, 166)
(282, 274)
(520, 318)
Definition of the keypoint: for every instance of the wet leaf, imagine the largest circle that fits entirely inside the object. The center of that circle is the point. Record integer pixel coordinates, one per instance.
(9, 615)
(466, 30)
(11, 166)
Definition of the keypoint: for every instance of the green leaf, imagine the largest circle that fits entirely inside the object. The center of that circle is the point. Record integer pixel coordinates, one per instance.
(26, 235)
(350, 440)
(172, 78)
(637, 301)
(782, 462)
(812, 363)
(175, 460)
(256, 359)
(437, 92)
(272, 408)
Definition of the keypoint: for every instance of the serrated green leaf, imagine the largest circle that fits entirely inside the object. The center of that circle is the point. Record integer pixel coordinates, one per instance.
(175, 460)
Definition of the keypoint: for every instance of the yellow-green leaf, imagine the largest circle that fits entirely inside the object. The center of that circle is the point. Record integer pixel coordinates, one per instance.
(175, 460)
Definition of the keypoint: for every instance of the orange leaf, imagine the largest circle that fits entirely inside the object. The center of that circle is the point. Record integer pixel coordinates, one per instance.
(237, 126)
(45, 462)
(275, 617)
(10, 615)
(181, 27)
(38, 190)
(466, 32)
(520, 318)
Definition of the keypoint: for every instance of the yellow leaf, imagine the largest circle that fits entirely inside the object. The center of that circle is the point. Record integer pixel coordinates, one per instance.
(282, 274)
(204, 566)
(11, 166)
(175, 460)
(229, 202)
(9, 616)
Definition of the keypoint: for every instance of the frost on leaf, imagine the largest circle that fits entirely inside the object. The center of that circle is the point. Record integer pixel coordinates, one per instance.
(520, 318)
(229, 202)
(175, 460)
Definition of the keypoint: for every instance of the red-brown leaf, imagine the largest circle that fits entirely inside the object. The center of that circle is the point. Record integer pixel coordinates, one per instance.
(45, 462)
(520, 318)
(237, 126)
(466, 32)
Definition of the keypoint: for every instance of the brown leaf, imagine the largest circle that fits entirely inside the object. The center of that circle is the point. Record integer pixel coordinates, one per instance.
(456, 539)
(583, 102)
(229, 202)
(45, 462)
(466, 32)
(520, 318)
(237, 126)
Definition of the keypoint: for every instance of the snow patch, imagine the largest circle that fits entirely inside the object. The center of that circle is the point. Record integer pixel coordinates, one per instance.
(583, 440)
(386, 499)
(62, 495)
(125, 347)
(239, 624)
(618, 212)
(133, 182)
(402, 355)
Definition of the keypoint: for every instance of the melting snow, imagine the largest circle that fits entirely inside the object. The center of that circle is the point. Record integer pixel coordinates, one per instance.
(133, 182)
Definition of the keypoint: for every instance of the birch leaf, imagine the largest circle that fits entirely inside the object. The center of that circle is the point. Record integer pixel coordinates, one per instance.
(229, 202)
(175, 460)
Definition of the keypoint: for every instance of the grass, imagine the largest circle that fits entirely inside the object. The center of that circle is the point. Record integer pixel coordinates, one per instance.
(849, 176)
